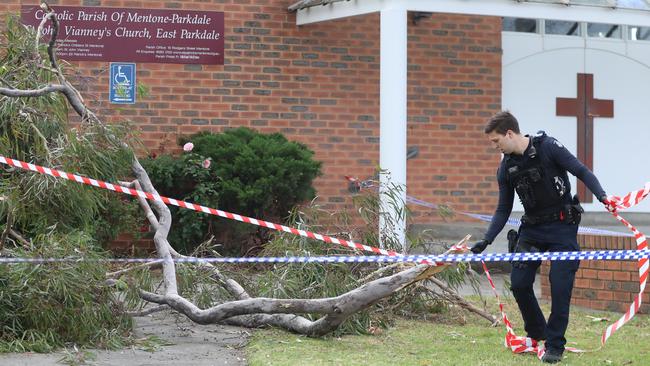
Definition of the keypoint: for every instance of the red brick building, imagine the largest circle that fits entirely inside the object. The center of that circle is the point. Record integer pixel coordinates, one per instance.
(319, 84)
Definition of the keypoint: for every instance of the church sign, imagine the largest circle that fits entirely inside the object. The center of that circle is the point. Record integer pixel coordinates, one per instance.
(134, 35)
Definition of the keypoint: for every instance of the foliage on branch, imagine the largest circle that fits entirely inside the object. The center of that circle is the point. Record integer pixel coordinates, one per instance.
(319, 280)
(37, 130)
(43, 307)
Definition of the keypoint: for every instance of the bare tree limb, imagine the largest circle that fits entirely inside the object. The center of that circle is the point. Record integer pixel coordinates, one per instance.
(5, 232)
(290, 322)
(5, 82)
(26, 244)
(457, 299)
(381, 271)
(336, 309)
(74, 98)
(151, 217)
(49, 16)
(151, 310)
(234, 288)
(384, 269)
(51, 47)
(19, 93)
(151, 265)
(160, 237)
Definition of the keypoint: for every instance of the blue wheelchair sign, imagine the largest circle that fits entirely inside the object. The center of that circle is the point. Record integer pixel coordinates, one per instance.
(122, 83)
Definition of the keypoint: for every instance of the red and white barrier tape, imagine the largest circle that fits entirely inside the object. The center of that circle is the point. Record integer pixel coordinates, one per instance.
(458, 248)
(618, 203)
(520, 344)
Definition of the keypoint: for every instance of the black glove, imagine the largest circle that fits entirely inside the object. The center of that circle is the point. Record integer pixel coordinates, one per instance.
(609, 204)
(480, 246)
(603, 199)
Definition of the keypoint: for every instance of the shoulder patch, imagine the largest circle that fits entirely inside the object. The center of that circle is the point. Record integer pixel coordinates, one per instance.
(556, 142)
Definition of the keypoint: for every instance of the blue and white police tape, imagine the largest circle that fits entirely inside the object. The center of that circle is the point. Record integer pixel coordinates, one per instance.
(517, 222)
(449, 258)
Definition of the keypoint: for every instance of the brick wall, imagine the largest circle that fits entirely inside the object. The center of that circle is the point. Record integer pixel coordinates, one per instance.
(603, 285)
(319, 84)
(454, 86)
(129, 245)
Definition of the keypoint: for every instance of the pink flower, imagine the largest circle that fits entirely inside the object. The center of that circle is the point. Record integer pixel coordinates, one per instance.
(188, 147)
(206, 163)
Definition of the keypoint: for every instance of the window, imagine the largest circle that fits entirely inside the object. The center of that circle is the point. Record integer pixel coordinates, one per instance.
(520, 25)
(562, 27)
(599, 30)
(638, 33)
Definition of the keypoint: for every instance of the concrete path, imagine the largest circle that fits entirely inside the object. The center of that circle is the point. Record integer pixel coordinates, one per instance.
(501, 282)
(191, 344)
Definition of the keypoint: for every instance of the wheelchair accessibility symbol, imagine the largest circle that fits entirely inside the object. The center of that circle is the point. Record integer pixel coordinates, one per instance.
(122, 83)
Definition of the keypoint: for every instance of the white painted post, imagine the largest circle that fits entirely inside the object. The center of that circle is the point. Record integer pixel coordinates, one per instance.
(392, 117)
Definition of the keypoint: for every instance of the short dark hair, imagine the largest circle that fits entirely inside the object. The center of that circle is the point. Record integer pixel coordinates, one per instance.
(501, 123)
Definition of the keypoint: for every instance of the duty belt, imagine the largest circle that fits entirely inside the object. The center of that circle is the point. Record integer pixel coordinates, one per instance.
(543, 219)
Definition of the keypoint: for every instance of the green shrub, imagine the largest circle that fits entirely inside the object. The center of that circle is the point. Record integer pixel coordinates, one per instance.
(249, 173)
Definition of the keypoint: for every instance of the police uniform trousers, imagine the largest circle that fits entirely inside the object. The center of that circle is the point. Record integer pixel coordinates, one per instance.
(561, 276)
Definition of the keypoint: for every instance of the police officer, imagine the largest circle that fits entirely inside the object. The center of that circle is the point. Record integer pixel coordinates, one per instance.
(536, 168)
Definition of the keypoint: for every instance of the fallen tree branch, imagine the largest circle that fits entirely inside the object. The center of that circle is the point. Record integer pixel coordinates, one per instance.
(5, 232)
(245, 310)
(151, 217)
(6, 83)
(380, 272)
(336, 309)
(458, 300)
(232, 286)
(23, 242)
(393, 266)
(150, 265)
(149, 311)
(19, 93)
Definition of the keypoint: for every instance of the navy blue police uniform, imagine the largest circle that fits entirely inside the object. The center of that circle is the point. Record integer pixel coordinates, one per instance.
(550, 223)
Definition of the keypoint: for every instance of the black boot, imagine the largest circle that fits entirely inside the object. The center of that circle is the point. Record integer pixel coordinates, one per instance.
(552, 356)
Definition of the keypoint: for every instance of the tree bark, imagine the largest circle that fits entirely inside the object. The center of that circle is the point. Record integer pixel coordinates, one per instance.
(335, 309)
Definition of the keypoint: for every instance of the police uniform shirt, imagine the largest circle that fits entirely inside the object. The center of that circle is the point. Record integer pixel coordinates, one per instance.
(554, 157)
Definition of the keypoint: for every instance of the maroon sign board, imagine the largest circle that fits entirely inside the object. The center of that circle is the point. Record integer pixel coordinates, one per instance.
(134, 35)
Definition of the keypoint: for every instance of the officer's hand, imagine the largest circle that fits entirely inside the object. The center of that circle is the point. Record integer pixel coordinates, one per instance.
(480, 246)
(610, 204)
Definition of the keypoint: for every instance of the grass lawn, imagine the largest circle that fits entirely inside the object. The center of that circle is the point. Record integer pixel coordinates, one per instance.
(457, 339)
